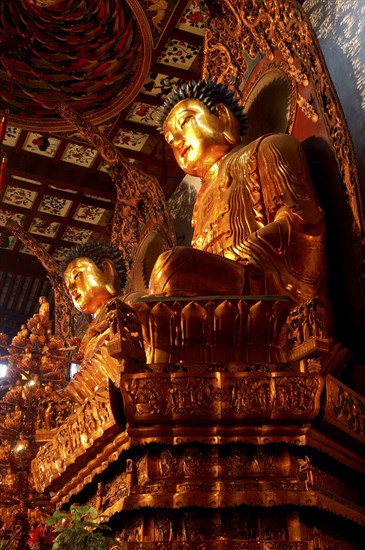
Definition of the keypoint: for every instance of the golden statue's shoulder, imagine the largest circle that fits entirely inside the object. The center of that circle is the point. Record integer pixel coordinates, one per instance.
(285, 145)
(281, 141)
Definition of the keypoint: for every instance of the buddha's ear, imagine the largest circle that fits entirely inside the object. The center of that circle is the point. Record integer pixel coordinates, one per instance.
(109, 269)
(113, 279)
(231, 127)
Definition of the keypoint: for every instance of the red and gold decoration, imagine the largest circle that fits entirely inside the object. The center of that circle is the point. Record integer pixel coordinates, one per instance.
(94, 54)
(3, 127)
(218, 420)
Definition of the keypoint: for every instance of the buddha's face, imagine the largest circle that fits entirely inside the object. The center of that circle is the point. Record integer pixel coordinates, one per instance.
(89, 286)
(198, 137)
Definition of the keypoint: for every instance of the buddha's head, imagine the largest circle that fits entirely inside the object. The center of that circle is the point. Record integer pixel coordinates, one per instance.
(93, 273)
(201, 121)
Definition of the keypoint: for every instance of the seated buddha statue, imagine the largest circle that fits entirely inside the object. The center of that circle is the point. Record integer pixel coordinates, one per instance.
(94, 274)
(258, 227)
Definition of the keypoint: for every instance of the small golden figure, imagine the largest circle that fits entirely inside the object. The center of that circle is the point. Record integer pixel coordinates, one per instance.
(44, 308)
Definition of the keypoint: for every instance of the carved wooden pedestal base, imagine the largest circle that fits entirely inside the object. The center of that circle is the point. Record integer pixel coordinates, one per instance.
(231, 496)
(239, 529)
(261, 451)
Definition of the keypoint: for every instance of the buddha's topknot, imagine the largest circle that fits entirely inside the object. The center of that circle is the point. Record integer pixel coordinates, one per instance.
(208, 93)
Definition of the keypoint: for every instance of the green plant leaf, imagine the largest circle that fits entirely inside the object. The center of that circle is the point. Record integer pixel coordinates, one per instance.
(93, 513)
(79, 529)
(55, 518)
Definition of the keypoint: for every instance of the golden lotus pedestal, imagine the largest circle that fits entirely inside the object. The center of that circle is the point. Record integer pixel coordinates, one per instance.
(228, 437)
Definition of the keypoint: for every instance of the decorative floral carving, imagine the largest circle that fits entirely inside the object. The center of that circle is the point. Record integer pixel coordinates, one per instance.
(71, 440)
(243, 395)
(345, 408)
(226, 530)
(306, 321)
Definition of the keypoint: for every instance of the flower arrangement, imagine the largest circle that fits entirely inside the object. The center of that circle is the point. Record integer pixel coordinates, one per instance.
(42, 537)
(77, 529)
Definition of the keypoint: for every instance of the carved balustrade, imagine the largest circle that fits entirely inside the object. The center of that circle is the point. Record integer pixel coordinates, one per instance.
(79, 438)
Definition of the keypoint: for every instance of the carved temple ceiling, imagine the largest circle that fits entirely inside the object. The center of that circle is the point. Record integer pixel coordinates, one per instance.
(113, 62)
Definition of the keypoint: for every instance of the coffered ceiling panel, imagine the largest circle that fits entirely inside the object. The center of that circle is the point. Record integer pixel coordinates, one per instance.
(113, 61)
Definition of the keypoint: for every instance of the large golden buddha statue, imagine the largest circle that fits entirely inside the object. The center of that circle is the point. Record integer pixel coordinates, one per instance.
(258, 228)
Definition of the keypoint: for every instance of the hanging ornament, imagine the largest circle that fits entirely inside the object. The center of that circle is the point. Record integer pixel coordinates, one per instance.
(3, 126)
(3, 171)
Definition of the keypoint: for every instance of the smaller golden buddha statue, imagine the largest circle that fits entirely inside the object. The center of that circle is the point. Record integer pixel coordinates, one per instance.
(94, 274)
